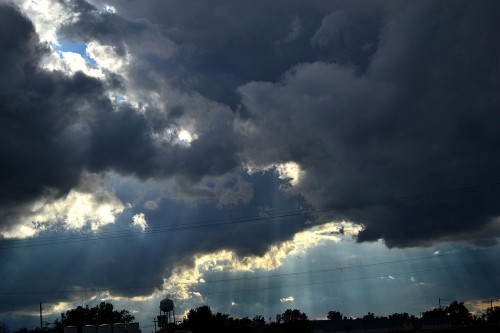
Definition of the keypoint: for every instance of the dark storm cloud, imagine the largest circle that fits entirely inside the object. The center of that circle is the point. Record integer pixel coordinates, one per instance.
(57, 128)
(422, 118)
(54, 127)
(388, 101)
(373, 100)
(95, 24)
(221, 45)
(121, 142)
(37, 112)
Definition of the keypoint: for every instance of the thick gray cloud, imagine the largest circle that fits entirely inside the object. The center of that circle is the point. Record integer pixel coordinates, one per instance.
(381, 106)
(221, 45)
(37, 112)
(422, 118)
(55, 127)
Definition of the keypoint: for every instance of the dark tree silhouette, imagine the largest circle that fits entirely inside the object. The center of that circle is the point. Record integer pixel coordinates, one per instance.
(290, 316)
(243, 325)
(202, 319)
(258, 321)
(198, 319)
(401, 316)
(293, 321)
(456, 312)
(369, 316)
(459, 314)
(334, 315)
(434, 313)
(103, 313)
(492, 315)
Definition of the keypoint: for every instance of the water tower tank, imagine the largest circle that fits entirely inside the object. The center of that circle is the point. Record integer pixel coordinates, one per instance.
(166, 305)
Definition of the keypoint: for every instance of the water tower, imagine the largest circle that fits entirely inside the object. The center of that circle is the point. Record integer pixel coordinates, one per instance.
(167, 314)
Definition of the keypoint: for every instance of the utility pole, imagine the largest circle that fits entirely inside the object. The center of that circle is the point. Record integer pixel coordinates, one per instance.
(154, 321)
(41, 322)
(439, 303)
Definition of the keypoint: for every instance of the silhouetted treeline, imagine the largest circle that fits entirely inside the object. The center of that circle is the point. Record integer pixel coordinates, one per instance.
(202, 319)
(104, 313)
(294, 321)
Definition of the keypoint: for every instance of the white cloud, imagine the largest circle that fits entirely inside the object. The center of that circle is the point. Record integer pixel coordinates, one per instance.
(287, 299)
(140, 221)
(109, 9)
(183, 279)
(176, 136)
(107, 58)
(288, 171)
(47, 17)
(77, 210)
(19, 231)
(186, 136)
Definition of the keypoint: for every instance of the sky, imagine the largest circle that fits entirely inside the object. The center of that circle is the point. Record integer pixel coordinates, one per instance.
(252, 156)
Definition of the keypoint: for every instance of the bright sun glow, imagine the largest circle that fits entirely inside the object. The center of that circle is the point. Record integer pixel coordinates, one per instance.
(185, 136)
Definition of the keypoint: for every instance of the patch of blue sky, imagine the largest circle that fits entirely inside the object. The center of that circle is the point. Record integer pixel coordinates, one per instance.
(120, 99)
(75, 47)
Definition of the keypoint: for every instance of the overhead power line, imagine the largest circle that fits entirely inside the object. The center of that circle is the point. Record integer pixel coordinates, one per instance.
(352, 267)
(60, 239)
(324, 270)
(346, 280)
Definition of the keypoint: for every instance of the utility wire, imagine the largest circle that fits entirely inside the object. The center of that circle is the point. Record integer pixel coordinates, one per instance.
(352, 267)
(56, 240)
(341, 268)
(344, 280)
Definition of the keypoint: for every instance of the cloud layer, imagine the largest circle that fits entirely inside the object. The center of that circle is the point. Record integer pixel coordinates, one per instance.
(213, 127)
